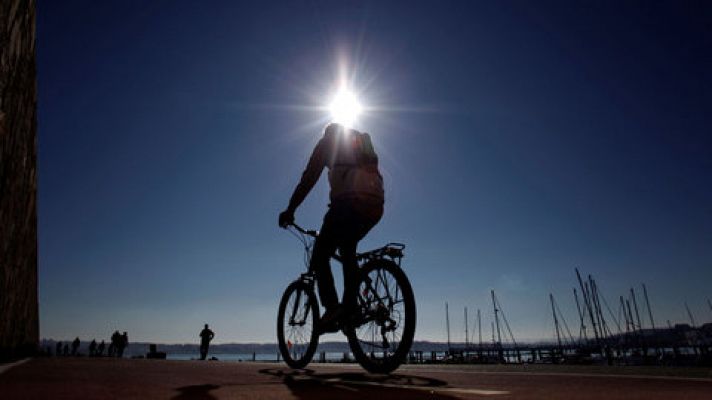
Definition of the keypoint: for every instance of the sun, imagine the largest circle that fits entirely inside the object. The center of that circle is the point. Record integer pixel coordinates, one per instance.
(345, 107)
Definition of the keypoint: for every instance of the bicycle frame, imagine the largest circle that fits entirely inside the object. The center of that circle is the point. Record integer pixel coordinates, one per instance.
(379, 322)
(394, 251)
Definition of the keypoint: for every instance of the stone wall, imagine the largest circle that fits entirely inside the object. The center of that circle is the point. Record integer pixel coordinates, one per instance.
(19, 325)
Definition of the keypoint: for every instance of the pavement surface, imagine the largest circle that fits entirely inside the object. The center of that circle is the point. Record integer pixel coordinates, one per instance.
(83, 378)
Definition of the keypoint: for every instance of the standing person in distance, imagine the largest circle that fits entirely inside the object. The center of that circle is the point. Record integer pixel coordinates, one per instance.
(206, 335)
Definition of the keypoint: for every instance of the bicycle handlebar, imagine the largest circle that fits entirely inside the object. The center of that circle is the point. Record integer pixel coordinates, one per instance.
(308, 232)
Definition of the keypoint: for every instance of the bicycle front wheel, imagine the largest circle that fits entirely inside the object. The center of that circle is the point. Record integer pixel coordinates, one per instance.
(382, 334)
(297, 321)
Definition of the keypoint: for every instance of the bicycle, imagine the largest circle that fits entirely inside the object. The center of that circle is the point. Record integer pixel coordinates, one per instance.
(381, 326)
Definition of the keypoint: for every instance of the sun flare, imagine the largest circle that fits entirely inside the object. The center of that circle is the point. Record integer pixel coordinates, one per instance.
(345, 108)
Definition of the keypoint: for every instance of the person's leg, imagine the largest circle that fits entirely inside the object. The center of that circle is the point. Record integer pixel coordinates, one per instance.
(324, 248)
(350, 270)
(361, 219)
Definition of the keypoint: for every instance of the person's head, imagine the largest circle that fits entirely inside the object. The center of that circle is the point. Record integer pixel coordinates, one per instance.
(333, 129)
(206, 326)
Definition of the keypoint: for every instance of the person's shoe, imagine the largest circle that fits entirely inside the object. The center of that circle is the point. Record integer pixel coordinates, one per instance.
(329, 322)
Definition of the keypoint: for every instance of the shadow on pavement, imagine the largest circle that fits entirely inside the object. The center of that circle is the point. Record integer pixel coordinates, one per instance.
(307, 384)
(200, 392)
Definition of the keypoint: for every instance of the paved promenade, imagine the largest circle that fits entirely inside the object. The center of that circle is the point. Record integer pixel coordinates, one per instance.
(75, 378)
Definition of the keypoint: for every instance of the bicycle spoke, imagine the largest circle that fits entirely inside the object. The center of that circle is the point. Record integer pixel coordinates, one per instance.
(385, 283)
(382, 302)
(298, 327)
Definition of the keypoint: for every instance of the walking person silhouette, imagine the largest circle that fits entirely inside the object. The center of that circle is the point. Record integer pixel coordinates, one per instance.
(92, 348)
(114, 345)
(206, 335)
(123, 343)
(75, 346)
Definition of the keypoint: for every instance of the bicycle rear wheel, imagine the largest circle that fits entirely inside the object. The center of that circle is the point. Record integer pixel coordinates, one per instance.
(297, 321)
(381, 336)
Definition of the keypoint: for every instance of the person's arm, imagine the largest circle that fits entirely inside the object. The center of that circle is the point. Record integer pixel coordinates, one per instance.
(310, 176)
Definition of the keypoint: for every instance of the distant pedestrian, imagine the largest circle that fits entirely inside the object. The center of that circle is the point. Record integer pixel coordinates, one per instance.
(75, 346)
(114, 346)
(58, 349)
(206, 335)
(92, 348)
(100, 349)
(123, 344)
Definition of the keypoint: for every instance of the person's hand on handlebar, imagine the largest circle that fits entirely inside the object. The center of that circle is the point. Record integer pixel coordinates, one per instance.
(286, 218)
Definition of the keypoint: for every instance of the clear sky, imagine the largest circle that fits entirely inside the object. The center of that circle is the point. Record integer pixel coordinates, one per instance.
(517, 140)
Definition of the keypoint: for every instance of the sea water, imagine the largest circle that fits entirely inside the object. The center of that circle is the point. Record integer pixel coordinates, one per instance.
(330, 356)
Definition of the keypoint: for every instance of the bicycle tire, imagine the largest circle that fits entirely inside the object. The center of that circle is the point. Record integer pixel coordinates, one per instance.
(365, 357)
(295, 351)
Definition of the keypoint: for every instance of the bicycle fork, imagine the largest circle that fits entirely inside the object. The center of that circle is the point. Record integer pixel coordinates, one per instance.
(297, 301)
(295, 309)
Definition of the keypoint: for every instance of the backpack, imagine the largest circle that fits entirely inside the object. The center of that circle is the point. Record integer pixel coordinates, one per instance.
(363, 148)
(354, 172)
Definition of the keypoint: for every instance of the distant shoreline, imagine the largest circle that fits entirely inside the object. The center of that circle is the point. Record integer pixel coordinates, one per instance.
(141, 348)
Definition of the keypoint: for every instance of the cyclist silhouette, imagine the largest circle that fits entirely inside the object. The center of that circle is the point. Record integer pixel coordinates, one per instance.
(356, 206)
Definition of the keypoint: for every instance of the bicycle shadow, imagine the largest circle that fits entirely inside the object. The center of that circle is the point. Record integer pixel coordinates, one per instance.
(308, 384)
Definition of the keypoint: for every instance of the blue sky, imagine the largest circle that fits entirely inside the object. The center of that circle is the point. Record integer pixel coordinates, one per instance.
(516, 142)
